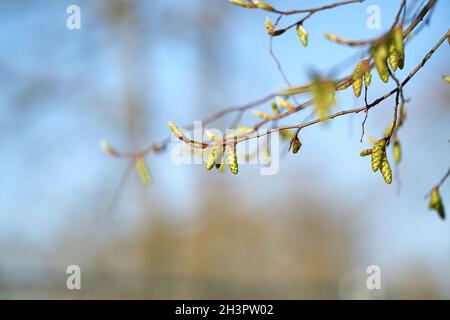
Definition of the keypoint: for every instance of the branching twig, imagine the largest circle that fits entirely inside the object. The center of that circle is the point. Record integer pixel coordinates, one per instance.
(292, 91)
(335, 115)
(443, 178)
(156, 147)
(419, 18)
(312, 10)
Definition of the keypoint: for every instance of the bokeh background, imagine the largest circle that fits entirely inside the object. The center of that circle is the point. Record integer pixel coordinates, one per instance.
(309, 231)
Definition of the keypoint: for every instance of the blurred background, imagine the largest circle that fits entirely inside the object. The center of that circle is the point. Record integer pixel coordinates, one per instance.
(309, 231)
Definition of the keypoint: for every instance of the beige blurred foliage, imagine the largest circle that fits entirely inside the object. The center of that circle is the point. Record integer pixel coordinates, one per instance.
(283, 251)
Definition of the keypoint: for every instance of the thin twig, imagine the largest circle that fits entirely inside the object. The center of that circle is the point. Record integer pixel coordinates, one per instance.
(443, 178)
(397, 96)
(363, 124)
(360, 43)
(439, 184)
(122, 182)
(329, 6)
(275, 58)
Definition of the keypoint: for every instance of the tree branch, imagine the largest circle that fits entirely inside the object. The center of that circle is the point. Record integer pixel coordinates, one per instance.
(156, 147)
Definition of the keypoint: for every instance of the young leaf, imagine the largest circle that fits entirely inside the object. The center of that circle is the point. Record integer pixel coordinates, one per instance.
(142, 169)
(436, 202)
(302, 35)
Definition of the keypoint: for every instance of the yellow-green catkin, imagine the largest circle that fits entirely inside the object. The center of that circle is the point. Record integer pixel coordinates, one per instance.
(243, 129)
(378, 154)
(397, 150)
(302, 35)
(436, 202)
(262, 5)
(323, 91)
(221, 166)
(269, 26)
(275, 109)
(357, 86)
(285, 104)
(175, 130)
(386, 171)
(357, 76)
(393, 58)
(142, 169)
(344, 85)
(331, 37)
(366, 152)
(232, 159)
(242, 3)
(214, 157)
(380, 56)
(367, 78)
(262, 115)
(107, 148)
(399, 46)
